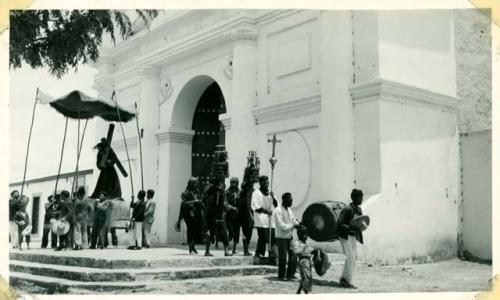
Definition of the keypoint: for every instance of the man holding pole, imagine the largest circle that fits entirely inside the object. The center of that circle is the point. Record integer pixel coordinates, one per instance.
(263, 204)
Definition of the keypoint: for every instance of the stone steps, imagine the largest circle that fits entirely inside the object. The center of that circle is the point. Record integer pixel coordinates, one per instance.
(37, 284)
(117, 263)
(124, 271)
(86, 274)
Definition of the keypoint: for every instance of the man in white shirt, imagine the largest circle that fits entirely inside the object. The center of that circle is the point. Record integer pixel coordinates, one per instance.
(285, 223)
(263, 204)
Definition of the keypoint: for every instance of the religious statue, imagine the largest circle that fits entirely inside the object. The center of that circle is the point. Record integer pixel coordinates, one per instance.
(108, 181)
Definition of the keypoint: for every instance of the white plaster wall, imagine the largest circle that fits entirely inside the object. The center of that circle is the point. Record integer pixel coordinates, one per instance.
(365, 46)
(288, 57)
(298, 167)
(416, 216)
(477, 198)
(367, 174)
(417, 48)
(473, 55)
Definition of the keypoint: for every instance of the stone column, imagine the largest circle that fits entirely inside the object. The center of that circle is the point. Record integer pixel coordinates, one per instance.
(242, 136)
(337, 167)
(174, 172)
(150, 93)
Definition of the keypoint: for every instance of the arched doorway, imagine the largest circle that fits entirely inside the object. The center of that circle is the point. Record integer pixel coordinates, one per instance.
(208, 131)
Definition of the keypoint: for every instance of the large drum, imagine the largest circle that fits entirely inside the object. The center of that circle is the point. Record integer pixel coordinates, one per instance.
(320, 218)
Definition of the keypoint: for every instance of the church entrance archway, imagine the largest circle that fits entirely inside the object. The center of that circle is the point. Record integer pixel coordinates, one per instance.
(208, 131)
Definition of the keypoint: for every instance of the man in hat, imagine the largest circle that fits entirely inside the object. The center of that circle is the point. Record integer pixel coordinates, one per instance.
(108, 180)
(263, 204)
(149, 217)
(83, 212)
(192, 211)
(349, 236)
(67, 214)
(14, 205)
(49, 209)
(285, 223)
(233, 227)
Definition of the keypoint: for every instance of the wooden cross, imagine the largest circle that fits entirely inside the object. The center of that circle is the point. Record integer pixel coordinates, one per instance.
(274, 141)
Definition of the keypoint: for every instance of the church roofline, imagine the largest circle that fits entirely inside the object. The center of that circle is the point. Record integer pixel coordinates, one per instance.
(52, 177)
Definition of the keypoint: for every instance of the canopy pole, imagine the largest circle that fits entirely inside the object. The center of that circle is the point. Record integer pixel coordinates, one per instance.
(78, 152)
(75, 176)
(81, 146)
(125, 143)
(29, 140)
(140, 146)
(62, 152)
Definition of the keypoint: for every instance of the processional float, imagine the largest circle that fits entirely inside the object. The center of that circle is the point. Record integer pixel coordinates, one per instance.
(79, 106)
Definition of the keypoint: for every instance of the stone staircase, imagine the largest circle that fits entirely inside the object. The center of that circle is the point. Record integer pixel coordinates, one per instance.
(48, 272)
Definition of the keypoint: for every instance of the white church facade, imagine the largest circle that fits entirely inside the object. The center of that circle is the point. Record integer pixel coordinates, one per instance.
(359, 99)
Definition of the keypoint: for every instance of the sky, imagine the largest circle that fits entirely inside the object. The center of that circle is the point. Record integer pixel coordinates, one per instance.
(48, 128)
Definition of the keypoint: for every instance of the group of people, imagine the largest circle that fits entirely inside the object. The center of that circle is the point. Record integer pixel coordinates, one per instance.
(214, 213)
(211, 213)
(79, 222)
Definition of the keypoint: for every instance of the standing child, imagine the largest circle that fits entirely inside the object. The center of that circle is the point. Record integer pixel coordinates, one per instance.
(304, 253)
(23, 221)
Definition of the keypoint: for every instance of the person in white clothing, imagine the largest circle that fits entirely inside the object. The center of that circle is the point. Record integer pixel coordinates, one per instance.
(285, 223)
(350, 236)
(263, 204)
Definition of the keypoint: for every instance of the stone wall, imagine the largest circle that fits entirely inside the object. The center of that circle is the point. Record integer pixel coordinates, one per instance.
(473, 61)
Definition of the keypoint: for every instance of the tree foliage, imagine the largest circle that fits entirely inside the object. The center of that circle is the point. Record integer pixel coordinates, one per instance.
(64, 39)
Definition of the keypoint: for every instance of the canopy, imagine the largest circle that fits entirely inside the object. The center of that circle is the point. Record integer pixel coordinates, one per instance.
(77, 105)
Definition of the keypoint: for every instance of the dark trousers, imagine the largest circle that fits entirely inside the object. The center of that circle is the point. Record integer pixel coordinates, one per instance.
(246, 229)
(99, 230)
(45, 237)
(218, 230)
(114, 237)
(233, 229)
(63, 240)
(286, 257)
(262, 240)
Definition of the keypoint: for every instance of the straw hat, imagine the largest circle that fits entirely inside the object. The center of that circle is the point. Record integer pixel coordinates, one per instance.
(27, 230)
(59, 227)
(361, 222)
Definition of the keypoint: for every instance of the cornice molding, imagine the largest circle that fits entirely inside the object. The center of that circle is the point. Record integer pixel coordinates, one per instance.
(275, 15)
(386, 90)
(305, 105)
(148, 71)
(175, 135)
(240, 26)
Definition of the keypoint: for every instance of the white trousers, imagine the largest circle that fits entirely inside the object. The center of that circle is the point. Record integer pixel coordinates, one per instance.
(136, 234)
(351, 254)
(14, 239)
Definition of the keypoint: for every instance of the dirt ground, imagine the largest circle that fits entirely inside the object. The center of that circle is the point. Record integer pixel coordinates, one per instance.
(446, 276)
